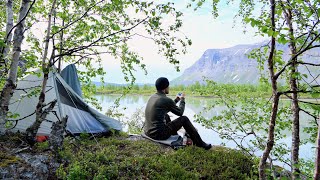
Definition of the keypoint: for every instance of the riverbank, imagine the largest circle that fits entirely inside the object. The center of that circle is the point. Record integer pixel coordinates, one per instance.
(120, 157)
(173, 94)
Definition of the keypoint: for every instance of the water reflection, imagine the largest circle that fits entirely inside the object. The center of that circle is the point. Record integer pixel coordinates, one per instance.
(195, 105)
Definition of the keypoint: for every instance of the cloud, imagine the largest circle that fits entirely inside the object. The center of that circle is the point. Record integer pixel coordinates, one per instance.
(205, 32)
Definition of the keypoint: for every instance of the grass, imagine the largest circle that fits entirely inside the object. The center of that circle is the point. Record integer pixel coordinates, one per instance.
(118, 158)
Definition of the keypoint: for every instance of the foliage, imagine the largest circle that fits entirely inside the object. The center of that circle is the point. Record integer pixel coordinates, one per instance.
(115, 158)
(262, 89)
(294, 25)
(84, 32)
(244, 119)
(136, 122)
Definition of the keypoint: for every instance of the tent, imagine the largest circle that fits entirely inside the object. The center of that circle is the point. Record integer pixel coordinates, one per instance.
(64, 88)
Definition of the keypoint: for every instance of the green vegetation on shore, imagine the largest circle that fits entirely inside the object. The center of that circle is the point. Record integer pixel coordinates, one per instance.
(197, 89)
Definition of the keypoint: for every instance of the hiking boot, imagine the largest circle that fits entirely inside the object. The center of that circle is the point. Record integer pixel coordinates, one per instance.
(206, 146)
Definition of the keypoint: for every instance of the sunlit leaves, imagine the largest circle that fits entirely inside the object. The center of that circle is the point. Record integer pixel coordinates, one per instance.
(91, 28)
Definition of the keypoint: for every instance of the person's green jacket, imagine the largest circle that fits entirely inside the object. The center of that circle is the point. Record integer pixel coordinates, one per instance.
(156, 111)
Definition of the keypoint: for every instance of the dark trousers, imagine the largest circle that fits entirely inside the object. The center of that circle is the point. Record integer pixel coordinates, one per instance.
(183, 121)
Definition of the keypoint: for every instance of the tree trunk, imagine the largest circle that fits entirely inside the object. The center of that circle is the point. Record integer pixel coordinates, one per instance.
(40, 116)
(8, 38)
(317, 163)
(295, 105)
(56, 136)
(61, 44)
(295, 130)
(10, 84)
(8, 29)
(33, 129)
(275, 100)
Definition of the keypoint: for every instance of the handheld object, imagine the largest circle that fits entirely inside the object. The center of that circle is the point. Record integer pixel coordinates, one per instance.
(179, 94)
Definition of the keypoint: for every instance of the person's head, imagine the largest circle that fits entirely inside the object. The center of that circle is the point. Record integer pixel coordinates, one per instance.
(162, 84)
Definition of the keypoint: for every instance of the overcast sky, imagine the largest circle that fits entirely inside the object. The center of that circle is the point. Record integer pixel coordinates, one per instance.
(205, 33)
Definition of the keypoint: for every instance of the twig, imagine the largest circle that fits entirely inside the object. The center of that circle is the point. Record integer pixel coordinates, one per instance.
(101, 38)
(315, 117)
(20, 150)
(68, 25)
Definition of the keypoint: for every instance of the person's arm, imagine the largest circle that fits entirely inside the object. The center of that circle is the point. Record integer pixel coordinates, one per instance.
(177, 110)
(177, 99)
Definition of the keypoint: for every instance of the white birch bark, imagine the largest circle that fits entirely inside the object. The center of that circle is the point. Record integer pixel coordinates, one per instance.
(10, 84)
(317, 162)
(33, 129)
(8, 27)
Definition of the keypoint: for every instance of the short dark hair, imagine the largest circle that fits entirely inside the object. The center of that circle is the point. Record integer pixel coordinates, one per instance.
(162, 83)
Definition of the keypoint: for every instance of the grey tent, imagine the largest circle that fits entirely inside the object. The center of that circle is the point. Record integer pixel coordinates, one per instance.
(81, 117)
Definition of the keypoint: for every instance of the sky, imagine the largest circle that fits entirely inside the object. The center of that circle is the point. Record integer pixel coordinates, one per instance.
(201, 27)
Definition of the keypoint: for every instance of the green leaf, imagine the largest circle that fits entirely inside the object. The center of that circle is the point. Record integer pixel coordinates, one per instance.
(305, 75)
(282, 39)
(315, 107)
(2, 44)
(253, 22)
(115, 27)
(264, 29)
(315, 94)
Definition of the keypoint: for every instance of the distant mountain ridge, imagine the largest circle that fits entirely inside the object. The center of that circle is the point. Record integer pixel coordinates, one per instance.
(231, 65)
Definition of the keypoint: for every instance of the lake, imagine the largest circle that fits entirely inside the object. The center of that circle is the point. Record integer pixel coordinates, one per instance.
(131, 104)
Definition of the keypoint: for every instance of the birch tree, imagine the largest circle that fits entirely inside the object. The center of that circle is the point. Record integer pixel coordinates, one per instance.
(18, 36)
(293, 25)
(82, 32)
(317, 159)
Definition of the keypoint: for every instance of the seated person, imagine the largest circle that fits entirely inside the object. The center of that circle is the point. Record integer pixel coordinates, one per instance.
(157, 122)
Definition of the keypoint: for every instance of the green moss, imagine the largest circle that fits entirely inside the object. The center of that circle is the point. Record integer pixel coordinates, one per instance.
(6, 159)
(116, 158)
(41, 146)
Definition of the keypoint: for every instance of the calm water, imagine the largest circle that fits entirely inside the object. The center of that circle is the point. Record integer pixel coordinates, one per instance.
(133, 103)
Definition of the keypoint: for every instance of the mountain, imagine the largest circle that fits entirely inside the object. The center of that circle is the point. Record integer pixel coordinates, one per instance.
(231, 65)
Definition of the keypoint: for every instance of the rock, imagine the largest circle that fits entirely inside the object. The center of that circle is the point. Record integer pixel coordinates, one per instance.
(30, 166)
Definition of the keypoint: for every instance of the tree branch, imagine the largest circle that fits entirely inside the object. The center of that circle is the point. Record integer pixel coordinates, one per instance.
(68, 25)
(305, 102)
(276, 76)
(305, 63)
(22, 117)
(309, 34)
(19, 21)
(69, 52)
(315, 117)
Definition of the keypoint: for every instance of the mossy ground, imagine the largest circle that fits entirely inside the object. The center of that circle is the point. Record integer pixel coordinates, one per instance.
(7, 144)
(118, 158)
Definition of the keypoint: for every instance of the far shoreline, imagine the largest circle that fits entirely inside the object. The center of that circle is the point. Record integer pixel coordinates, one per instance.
(187, 95)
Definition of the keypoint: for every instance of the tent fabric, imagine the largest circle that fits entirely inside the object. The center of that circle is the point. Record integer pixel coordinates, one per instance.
(85, 121)
(70, 76)
(77, 102)
(81, 117)
(105, 120)
(25, 99)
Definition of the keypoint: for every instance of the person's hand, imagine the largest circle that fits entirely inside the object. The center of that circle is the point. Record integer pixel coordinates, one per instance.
(181, 95)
